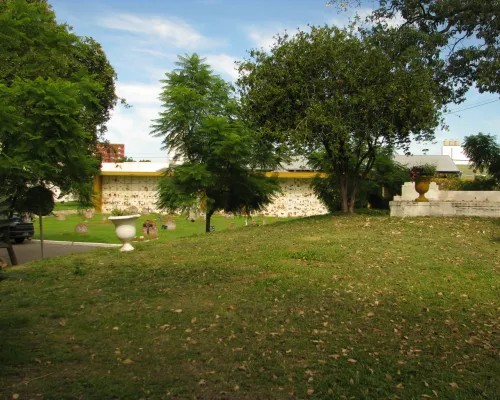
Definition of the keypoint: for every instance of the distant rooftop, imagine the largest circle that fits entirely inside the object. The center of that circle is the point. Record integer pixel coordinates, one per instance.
(444, 164)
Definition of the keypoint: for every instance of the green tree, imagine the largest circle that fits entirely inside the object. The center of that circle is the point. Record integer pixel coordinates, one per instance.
(189, 94)
(125, 159)
(56, 93)
(467, 32)
(483, 152)
(331, 91)
(382, 183)
(220, 154)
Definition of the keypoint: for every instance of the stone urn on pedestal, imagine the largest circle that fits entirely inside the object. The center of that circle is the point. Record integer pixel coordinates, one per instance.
(422, 187)
(125, 229)
(422, 175)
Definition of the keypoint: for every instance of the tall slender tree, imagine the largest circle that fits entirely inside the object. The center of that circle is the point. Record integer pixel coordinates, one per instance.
(217, 154)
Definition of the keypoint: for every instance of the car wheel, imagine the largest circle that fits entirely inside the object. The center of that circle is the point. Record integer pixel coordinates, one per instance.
(19, 240)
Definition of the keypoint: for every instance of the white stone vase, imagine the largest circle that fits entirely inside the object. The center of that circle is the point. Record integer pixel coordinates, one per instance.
(125, 229)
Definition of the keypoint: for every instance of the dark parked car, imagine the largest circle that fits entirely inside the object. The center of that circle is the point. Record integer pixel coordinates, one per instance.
(20, 229)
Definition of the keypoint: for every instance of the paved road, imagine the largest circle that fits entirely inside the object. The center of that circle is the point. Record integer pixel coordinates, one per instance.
(29, 251)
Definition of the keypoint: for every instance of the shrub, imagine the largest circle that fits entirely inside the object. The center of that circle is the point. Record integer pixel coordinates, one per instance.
(423, 170)
(119, 213)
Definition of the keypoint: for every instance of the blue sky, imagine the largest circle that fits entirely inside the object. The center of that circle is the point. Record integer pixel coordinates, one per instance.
(142, 41)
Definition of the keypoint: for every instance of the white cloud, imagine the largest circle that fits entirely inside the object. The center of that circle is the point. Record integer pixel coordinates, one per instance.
(263, 38)
(139, 93)
(132, 126)
(174, 31)
(223, 64)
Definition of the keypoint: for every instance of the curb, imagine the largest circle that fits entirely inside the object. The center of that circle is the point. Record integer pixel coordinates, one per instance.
(77, 243)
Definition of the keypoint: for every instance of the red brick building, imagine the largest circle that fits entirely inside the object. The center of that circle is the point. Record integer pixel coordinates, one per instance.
(111, 152)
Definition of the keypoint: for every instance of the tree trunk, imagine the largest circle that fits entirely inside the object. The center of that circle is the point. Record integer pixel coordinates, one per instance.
(208, 215)
(343, 194)
(352, 199)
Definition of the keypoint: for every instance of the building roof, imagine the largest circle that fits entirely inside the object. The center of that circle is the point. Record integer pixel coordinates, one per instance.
(444, 164)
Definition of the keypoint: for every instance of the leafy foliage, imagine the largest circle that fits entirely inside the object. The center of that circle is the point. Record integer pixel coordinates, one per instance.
(484, 153)
(377, 188)
(467, 31)
(216, 151)
(422, 170)
(56, 93)
(346, 96)
(190, 93)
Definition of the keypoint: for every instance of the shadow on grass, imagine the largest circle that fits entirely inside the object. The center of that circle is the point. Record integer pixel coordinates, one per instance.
(13, 351)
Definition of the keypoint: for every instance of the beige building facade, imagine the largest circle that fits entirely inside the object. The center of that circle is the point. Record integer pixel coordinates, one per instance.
(135, 184)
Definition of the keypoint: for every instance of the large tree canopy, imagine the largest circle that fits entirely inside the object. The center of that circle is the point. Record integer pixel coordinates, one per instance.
(56, 94)
(343, 95)
(467, 32)
(216, 152)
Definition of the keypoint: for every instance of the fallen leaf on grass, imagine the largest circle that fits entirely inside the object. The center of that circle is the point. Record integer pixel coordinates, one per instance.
(178, 310)
(193, 321)
(352, 360)
(128, 361)
(15, 396)
(454, 385)
(202, 382)
(115, 328)
(236, 388)
(62, 322)
(37, 360)
(399, 386)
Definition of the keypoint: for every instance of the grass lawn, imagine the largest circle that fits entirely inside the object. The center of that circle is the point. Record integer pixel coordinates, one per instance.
(101, 231)
(328, 307)
(66, 205)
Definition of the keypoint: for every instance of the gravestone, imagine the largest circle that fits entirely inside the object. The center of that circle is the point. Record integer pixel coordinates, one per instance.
(149, 228)
(61, 217)
(133, 210)
(264, 221)
(231, 225)
(171, 225)
(81, 228)
(212, 228)
(89, 214)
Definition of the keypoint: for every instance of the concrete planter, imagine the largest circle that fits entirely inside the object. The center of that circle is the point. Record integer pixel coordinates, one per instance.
(125, 229)
(422, 187)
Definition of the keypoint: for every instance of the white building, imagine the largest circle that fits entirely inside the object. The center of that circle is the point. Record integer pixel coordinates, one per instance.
(454, 149)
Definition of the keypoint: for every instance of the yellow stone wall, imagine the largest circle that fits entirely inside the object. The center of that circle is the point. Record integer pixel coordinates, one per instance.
(297, 198)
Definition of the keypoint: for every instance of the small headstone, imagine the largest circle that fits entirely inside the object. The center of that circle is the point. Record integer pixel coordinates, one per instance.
(276, 219)
(149, 228)
(231, 225)
(264, 221)
(89, 214)
(171, 225)
(133, 210)
(81, 228)
(61, 217)
(212, 228)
